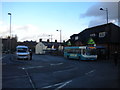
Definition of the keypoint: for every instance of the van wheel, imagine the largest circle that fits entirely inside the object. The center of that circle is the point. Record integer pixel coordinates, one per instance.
(68, 57)
(79, 58)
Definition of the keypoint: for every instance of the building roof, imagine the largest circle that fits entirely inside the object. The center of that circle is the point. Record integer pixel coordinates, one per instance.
(99, 26)
(50, 44)
(112, 34)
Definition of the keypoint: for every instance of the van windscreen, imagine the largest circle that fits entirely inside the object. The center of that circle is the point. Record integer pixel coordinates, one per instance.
(22, 50)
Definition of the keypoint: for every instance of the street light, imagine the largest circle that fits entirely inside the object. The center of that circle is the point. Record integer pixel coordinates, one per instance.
(10, 23)
(60, 35)
(109, 28)
(51, 37)
(10, 30)
(106, 13)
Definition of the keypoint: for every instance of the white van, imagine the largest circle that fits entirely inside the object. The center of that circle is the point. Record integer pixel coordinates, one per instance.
(22, 52)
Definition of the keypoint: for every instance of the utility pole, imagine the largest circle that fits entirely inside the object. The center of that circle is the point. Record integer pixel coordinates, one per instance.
(60, 35)
(10, 36)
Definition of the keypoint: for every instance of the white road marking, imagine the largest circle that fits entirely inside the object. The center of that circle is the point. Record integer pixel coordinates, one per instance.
(52, 85)
(65, 83)
(1, 60)
(32, 67)
(56, 64)
(2, 57)
(62, 85)
(30, 79)
(90, 72)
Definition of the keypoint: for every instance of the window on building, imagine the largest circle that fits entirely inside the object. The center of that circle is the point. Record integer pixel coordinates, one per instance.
(76, 38)
(93, 35)
(102, 34)
(72, 38)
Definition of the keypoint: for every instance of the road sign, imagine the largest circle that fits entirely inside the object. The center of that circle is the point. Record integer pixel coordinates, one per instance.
(69, 43)
(91, 41)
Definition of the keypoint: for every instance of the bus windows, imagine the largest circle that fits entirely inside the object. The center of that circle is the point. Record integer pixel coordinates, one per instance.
(75, 51)
(91, 51)
(83, 51)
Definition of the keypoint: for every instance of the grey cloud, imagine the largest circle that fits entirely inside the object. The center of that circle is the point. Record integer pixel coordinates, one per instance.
(96, 22)
(94, 11)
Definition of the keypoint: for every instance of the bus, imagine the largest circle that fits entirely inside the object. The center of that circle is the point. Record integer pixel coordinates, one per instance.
(81, 52)
(22, 52)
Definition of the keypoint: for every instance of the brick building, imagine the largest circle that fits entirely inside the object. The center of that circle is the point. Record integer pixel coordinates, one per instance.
(9, 43)
(106, 35)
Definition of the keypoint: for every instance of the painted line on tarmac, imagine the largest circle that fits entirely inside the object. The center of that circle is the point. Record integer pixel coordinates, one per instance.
(56, 64)
(32, 67)
(53, 85)
(2, 57)
(90, 72)
(30, 79)
(62, 85)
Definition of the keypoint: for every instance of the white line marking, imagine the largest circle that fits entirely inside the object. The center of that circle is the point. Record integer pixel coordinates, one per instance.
(90, 72)
(32, 67)
(1, 60)
(52, 85)
(63, 85)
(30, 79)
(2, 57)
(56, 64)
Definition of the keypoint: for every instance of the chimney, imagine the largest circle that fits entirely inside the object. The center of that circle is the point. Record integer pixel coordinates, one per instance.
(40, 40)
(63, 41)
(56, 41)
(48, 40)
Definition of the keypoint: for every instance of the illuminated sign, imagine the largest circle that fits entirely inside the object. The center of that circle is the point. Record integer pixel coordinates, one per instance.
(91, 47)
(91, 41)
(69, 43)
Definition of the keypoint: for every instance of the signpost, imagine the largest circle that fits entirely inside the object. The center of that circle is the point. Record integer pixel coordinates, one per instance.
(91, 42)
(69, 43)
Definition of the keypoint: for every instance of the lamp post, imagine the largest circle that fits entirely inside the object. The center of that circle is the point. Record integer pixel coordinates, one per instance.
(106, 13)
(10, 30)
(108, 44)
(51, 37)
(60, 35)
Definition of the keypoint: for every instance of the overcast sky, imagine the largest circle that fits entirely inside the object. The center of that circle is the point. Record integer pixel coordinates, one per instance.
(35, 20)
(99, 17)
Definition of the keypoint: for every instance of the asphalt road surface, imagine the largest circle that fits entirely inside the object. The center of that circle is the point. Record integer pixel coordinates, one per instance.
(45, 71)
